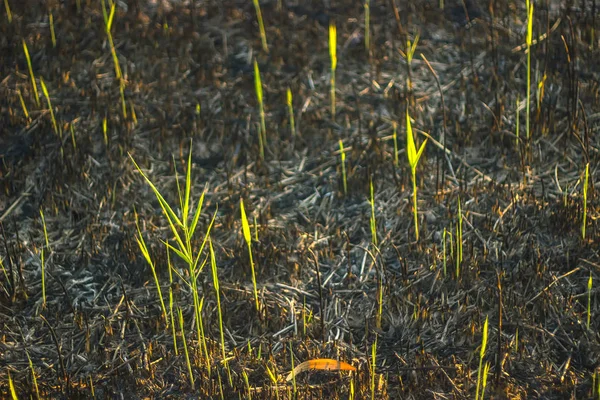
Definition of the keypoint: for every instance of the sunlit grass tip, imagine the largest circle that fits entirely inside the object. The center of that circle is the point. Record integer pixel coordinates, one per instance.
(413, 159)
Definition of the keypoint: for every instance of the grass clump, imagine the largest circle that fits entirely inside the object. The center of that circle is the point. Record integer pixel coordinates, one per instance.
(183, 232)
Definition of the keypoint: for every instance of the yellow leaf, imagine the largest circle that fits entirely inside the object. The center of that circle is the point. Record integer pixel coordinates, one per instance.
(325, 364)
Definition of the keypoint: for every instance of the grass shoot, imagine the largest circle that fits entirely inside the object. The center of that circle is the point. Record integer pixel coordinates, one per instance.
(373, 366)
(52, 33)
(11, 388)
(343, 162)
(108, 20)
(444, 257)
(517, 124)
(413, 160)
(23, 106)
(585, 195)
(290, 107)
(144, 249)
(481, 356)
(529, 6)
(333, 59)
(262, 133)
(408, 55)
(73, 140)
(215, 276)
(373, 220)
(8, 13)
(43, 258)
(171, 303)
(105, 130)
(486, 371)
(589, 301)
(31, 75)
(293, 376)
(47, 96)
(261, 26)
(43, 261)
(33, 376)
(367, 25)
(273, 378)
(248, 239)
(185, 348)
(395, 139)
(459, 239)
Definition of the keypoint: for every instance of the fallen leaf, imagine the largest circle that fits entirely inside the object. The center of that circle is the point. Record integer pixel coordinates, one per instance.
(326, 364)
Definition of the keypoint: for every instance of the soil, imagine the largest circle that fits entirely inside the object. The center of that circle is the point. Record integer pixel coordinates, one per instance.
(500, 207)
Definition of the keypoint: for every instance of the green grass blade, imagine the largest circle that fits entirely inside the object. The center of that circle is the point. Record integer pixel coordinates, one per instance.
(192, 227)
(411, 151)
(333, 45)
(31, 75)
(8, 12)
(201, 250)
(188, 186)
(179, 253)
(110, 17)
(163, 203)
(420, 151)
(11, 388)
(47, 95)
(258, 83)
(245, 226)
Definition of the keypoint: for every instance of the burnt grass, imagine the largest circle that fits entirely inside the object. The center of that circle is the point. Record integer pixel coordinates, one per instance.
(325, 290)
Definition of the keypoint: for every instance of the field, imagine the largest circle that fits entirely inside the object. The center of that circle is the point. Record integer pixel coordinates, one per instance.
(197, 197)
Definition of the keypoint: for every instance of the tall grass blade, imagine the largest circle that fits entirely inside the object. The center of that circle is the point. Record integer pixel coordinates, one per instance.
(589, 300)
(8, 13)
(31, 75)
(413, 159)
(481, 356)
(343, 160)
(185, 348)
(215, 275)
(585, 195)
(144, 249)
(11, 388)
(291, 111)
(262, 134)
(248, 239)
(45, 91)
(333, 59)
(261, 26)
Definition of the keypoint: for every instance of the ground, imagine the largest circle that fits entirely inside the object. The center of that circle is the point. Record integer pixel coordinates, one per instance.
(339, 270)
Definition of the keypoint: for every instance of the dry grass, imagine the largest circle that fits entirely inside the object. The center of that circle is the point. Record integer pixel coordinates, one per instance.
(321, 283)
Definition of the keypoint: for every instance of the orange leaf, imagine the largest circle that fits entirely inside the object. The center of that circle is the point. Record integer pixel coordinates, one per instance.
(326, 364)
